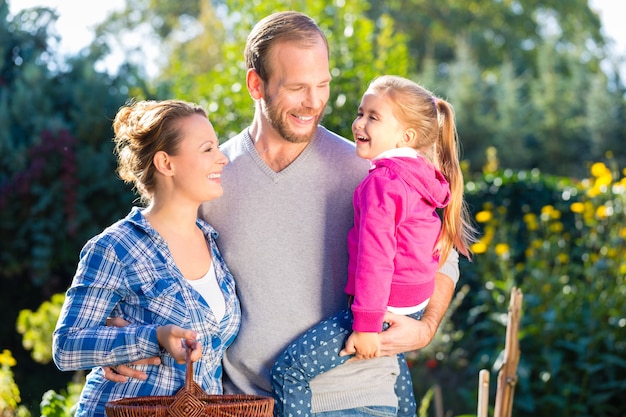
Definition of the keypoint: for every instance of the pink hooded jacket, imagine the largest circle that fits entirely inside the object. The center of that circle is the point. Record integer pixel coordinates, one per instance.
(392, 242)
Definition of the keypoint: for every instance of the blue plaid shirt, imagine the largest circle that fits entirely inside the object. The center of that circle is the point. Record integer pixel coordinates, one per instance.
(128, 271)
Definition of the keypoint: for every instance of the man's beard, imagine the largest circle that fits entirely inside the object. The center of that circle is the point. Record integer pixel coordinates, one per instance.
(273, 115)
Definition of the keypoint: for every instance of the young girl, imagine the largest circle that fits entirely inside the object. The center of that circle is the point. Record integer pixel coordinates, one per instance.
(159, 269)
(398, 237)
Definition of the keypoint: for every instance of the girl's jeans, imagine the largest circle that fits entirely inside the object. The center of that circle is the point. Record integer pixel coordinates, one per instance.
(317, 351)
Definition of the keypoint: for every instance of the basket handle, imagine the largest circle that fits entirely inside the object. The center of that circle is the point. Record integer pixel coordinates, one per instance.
(188, 371)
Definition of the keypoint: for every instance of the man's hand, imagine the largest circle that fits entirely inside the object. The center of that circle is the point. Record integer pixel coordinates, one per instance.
(121, 373)
(406, 334)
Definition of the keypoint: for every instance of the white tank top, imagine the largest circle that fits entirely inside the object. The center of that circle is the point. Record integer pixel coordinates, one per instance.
(210, 290)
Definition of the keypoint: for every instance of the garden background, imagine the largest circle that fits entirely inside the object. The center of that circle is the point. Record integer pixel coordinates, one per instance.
(542, 126)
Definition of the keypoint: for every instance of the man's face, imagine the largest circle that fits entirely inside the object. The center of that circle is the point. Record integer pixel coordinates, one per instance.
(297, 90)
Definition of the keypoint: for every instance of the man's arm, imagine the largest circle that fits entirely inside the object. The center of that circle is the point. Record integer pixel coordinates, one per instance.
(406, 334)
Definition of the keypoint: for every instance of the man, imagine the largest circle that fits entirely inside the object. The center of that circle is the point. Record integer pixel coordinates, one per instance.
(284, 220)
(283, 223)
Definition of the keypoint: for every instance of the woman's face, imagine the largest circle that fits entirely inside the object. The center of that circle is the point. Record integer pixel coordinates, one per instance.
(199, 162)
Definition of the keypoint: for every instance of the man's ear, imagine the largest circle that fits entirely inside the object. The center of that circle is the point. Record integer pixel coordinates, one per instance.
(163, 163)
(254, 84)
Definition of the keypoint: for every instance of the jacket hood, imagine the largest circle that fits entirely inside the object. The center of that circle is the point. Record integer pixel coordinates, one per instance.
(421, 175)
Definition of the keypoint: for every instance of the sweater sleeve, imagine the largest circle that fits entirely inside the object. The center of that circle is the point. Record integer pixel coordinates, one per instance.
(450, 267)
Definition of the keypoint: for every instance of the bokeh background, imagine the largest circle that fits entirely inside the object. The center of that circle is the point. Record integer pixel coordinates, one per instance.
(538, 89)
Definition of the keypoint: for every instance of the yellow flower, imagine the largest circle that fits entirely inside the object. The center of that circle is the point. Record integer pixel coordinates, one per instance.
(530, 217)
(598, 169)
(562, 258)
(483, 216)
(7, 359)
(531, 221)
(594, 191)
(547, 209)
(548, 212)
(488, 235)
(479, 247)
(502, 249)
(601, 212)
(604, 180)
(577, 207)
(556, 227)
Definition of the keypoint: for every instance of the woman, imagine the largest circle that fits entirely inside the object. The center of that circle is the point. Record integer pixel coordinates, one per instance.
(159, 269)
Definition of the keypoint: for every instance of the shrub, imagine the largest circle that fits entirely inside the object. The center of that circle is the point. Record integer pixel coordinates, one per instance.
(562, 243)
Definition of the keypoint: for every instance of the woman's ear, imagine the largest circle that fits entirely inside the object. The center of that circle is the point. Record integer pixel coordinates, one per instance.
(163, 163)
(254, 84)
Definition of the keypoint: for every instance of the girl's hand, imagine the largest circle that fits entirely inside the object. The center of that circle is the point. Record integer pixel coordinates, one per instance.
(364, 345)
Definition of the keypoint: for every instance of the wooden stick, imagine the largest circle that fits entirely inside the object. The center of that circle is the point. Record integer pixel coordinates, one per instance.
(483, 393)
(507, 377)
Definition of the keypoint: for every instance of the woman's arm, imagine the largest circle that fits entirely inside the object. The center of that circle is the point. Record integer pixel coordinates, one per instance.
(81, 339)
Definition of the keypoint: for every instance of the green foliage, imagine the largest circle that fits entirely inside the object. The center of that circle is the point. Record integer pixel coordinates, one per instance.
(535, 97)
(562, 242)
(9, 391)
(495, 28)
(62, 404)
(425, 403)
(55, 118)
(522, 76)
(360, 50)
(36, 328)
(58, 185)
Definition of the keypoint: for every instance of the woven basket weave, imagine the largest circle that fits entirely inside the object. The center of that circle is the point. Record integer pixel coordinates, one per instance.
(192, 401)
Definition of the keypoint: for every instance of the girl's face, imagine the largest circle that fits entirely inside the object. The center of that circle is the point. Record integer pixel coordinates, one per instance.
(375, 128)
(199, 162)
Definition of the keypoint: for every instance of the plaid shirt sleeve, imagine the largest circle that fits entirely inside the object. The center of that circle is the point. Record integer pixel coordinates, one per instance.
(81, 339)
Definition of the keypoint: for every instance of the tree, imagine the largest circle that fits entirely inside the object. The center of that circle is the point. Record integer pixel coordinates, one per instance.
(360, 49)
(495, 29)
(58, 185)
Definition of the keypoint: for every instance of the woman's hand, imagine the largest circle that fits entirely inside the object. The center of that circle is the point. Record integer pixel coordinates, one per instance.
(172, 335)
(176, 340)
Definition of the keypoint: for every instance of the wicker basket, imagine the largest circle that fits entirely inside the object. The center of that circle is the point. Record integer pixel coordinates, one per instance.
(192, 401)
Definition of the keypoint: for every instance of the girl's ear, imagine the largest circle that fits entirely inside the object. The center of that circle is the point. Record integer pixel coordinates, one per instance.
(163, 163)
(254, 84)
(408, 137)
